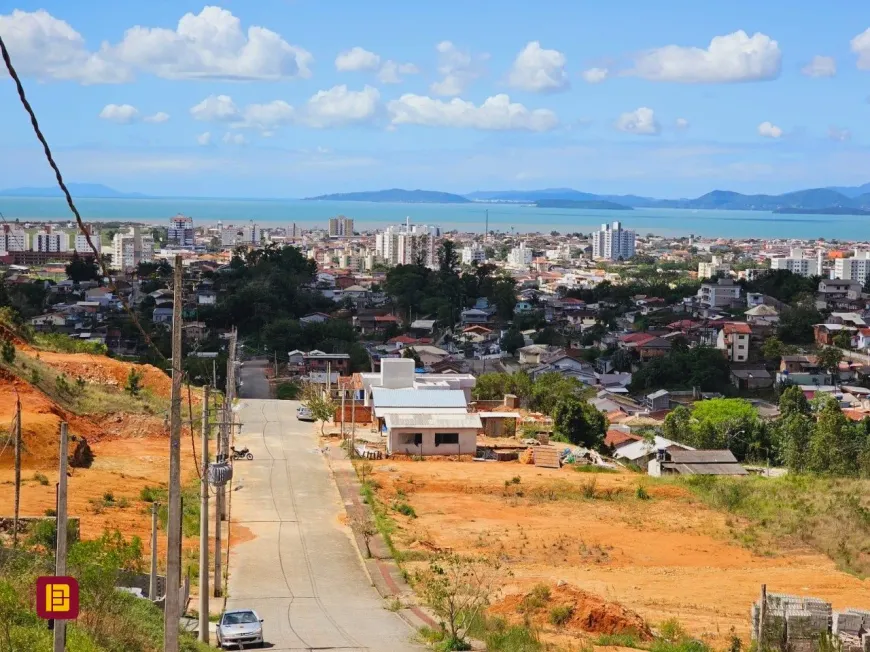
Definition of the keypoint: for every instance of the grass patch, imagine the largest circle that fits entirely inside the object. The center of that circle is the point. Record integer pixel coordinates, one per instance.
(41, 478)
(60, 343)
(499, 636)
(592, 468)
(561, 614)
(405, 509)
(831, 515)
(619, 640)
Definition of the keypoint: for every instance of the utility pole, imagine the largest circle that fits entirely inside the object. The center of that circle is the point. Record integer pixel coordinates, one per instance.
(16, 425)
(171, 604)
(203, 523)
(61, 528)
(152, 580)
(343, 391)
(223, 450)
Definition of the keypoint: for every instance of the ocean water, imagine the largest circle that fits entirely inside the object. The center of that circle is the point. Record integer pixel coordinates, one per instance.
(463, 217)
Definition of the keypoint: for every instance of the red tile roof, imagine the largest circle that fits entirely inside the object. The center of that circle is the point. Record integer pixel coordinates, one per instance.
(617, 438)
(738, 328)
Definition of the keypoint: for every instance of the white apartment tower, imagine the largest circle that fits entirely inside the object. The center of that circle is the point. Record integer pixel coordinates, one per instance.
(239, 236)
(340, 227)
(520, 256)
(180, 233)
(612, 242)
(51, 241)
(473, 253)
(796, 263)
(406, 244)
(131, 248)
(853, 269)
(13, 239)
(81, 245)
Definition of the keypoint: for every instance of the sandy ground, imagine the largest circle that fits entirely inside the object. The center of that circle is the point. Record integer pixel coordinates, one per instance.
(667, 557)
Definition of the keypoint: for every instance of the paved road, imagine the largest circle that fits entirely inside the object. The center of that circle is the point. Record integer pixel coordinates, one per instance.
(301, 572)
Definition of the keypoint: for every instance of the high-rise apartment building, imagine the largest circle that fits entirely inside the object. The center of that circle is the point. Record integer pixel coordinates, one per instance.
(853, 269)
(340, 227)
(612, 242)
(407, 244)
(48, 241)
(180, 233)
(473, 253)
(131, 248)
(796, 263)
(713, 268)
(80, 244)
(248, 235)
(520, 256)
(13, 239)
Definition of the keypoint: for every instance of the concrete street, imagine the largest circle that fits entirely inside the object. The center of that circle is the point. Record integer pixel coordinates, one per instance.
(302, 572)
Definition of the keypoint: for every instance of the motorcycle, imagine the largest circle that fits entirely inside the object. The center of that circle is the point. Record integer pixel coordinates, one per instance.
(242, 454)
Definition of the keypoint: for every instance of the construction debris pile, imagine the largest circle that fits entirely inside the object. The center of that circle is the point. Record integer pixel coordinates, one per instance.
(802, 624)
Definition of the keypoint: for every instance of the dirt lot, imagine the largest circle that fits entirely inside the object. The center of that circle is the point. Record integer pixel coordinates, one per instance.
(666, 557)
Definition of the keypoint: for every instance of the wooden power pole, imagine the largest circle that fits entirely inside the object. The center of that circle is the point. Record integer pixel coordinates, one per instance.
(172, 606)
(224, 448)
(16, 432)
(152, 579)
(61, 530)
(203, 522)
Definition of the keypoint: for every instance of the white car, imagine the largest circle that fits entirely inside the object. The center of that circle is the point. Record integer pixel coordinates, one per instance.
(304, 413)
(238, 628)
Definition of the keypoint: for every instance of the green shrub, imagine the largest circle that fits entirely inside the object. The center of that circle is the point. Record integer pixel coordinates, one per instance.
(148, 494)
(289, 391)
(561, 614)
(641, 493)
(537, 598)
(406, 509)
(41, 478)
(626, 639)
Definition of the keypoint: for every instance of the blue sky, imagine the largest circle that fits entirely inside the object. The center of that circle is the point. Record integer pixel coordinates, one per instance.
(288, 98)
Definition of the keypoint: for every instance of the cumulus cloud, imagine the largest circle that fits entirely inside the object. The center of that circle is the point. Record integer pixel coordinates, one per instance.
(496, 113)
(216, 108)
(820, 66)
(735, 57)
(391, 72)
(340, 106)
(769, 130)
(641, 121)
(235, 138)
(595, 75)
(458, 69)
(356, 59)
(538, 70)
(157, 118)
(204, 138)
(681, 124)
(266, 117)
(860, 45)
(47, 48)
(122, 114)
(211, 45)
(838, 134)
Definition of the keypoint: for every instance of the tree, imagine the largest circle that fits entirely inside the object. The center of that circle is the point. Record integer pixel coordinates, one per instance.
(793, 401)
(796, 324)
(832, 444)
(82, 269)
(512, 341)
(772, 349)
(551, 388)
(322, 406)
(363, 524)
(134, 382)
(493, 386)
(7, 351)
(621, 360)
(580, 423)
(730, 423)
(843, 340)
(793, 432)
(410, 354)
(829, 358)
(457, 589)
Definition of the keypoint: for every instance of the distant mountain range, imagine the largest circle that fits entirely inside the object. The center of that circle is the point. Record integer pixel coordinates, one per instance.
(90, 190)
(396, 195)
(592, 204)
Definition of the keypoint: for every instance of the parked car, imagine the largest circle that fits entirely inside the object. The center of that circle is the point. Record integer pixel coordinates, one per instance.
(304, 414)
(238, 628)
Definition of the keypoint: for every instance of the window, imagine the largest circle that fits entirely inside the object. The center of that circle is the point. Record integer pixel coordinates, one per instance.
(411, 439)
(741, 346)
(446, 438)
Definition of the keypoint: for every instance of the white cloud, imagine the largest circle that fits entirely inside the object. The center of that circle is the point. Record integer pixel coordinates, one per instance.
(841, 135)
(391, 71)
(122, 114)
(595, 75)
(47, 48)
(458, 69)
(340, 106)
(204, 138)
(860, 45)
(496, 113)
(538, 70)
(356, 59)
(232, 138)
(681, 123)
(216, 108)
(267, 116)
(820, 66)
(769, 130)
(211, 45)
(734, 57)
(160, 116)
(641, 121)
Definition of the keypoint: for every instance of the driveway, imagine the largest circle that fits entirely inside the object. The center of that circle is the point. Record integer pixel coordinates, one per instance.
(301, 571)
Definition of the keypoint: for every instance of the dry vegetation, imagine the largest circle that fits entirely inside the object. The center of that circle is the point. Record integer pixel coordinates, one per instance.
(653, 548)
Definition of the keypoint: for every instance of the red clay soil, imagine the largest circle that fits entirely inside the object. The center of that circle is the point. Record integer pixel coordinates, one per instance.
(591, 614)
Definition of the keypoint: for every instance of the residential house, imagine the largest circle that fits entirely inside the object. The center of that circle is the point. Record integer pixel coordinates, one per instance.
(103, 296)
(750, 379)
(802, 370)
(567, 366)
(194, 331)
(206, 297)
(314, 318)
(49, 322)
(425, 433)
(523, 307)
(847, 319)
(296, 358)
(162, 314)
(660, 400)
(824, 334)
(316, 364)
(423, 327)
(836, 293)
(653, 348)
(733, 339)
(862, 339)
(641, 452)
(535, 354)
(672, 461)
(762, 315)
(355, 293)
(722, 294)
(430, 355)
(474, 316)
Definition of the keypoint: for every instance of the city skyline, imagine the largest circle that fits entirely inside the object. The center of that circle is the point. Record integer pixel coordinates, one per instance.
(239, 100)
